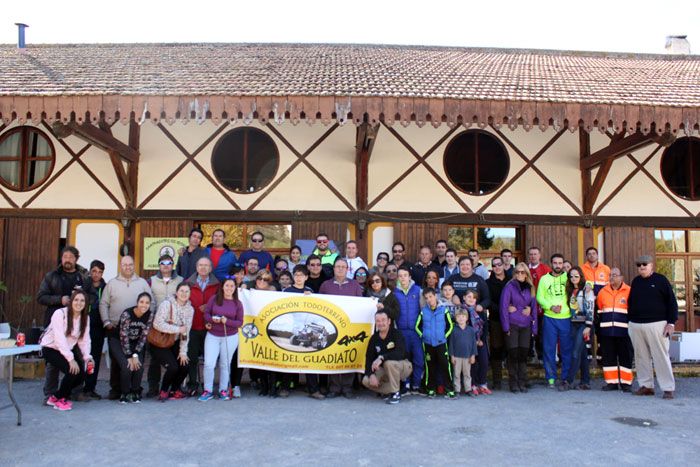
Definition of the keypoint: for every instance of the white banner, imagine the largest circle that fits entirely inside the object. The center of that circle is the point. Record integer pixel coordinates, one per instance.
(297, 333)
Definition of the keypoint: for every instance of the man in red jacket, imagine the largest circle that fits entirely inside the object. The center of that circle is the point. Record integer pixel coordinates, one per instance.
(538, 271)
(203, 285)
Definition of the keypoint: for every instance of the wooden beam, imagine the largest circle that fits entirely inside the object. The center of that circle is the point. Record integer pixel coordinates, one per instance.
(133, 171)
(366, 135)
(122, 178)
(584, 142)
(591, 190)
(625, 146)
(96, 137)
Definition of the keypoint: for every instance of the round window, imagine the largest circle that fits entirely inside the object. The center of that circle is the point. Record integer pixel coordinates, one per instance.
(27, 157)
(680, 168)
(476, 162)
(245, 160)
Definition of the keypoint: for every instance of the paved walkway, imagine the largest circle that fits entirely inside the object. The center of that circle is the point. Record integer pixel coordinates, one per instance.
(543, 426)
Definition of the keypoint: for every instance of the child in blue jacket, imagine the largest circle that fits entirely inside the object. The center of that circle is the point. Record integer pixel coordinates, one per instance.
(434, 326)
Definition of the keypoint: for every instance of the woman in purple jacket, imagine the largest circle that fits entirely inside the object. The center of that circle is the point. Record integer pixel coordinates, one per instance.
(519, 321)
(223, 316)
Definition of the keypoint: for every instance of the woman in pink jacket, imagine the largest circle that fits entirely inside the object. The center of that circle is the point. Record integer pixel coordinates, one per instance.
(66, 345)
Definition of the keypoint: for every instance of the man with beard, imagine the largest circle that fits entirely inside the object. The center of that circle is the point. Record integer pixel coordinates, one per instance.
(186, 264)
(54, 293)
(551, 296)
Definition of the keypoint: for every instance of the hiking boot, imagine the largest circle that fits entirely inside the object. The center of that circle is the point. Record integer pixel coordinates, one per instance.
(626, 387)
(564, 386)
(610, 387)
(93, 395)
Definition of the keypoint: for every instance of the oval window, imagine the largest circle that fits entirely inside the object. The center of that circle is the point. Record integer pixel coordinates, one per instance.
(680, 168)
(476, 162)
(302, 332)
(27, 157)
(245, 160)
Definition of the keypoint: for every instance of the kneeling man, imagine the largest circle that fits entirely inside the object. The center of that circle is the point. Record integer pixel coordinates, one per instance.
(386, 362)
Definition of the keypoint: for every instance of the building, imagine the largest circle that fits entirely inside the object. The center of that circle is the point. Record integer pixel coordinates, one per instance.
(105, 145)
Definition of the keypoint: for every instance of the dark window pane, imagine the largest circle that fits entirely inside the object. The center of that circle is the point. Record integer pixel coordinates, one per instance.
(476, 162)
(680, 168)
(245, 160)
(26, 158)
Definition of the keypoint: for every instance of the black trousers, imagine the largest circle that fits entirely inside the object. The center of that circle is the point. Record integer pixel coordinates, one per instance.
(175, 373)
(114, 373)
(97, 339)
(518, 344)
(130, 381)
(616, 351)
(236, 373)
(70, 381)
(437, 359)
(496, 350)
(153, 374)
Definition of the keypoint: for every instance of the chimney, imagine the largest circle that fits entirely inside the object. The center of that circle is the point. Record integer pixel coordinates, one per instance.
(20, 40)
(677, 45)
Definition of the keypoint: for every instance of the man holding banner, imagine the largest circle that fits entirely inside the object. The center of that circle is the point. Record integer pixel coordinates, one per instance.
(341, 285)
(386, 363)
(317, 334)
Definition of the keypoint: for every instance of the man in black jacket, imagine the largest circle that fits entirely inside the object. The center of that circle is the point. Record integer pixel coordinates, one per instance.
(54, 293)
(386, 364)
(496, 282)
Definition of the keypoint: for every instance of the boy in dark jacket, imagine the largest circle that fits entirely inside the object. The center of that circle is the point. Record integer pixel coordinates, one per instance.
(434, 326)
(463, 351)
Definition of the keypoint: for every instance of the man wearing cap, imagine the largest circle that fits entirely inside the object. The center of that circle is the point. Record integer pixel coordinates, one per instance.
(653, 312)
(163, 285)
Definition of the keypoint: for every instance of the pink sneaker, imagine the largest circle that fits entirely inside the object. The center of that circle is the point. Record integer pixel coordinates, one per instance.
(61, 404)
(475, 391)
(51, 401)
(484, 390)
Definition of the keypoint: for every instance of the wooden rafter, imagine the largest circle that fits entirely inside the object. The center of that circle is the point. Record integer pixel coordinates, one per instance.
(530, 164)
(591, 189)
(623, 146)
(366, 136)
(302, 159)
(420, 160)
(97, 137)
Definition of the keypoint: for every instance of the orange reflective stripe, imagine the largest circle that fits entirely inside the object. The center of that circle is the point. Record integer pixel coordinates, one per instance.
(626, 375)
(611, 376)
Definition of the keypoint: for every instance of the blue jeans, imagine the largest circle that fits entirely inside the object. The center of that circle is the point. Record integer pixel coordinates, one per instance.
(552, 330)
(414, 347)
(579, 358)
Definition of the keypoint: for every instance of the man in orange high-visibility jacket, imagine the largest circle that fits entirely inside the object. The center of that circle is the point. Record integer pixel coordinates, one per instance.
(594, 271)
(615, 343)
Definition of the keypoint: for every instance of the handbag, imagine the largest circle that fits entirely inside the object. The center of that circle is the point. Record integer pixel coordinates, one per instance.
(162, 339)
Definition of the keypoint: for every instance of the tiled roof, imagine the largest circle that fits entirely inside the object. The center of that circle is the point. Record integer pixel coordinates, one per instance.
(326, 79)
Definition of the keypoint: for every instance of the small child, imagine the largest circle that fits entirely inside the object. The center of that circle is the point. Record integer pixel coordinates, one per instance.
(477, 321)
(434, 326)
(448, 299)
(462, 351)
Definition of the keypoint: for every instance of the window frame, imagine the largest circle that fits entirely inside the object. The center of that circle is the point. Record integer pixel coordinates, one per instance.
(488, 254)
(284, 252)
(24, 158)
(477, 132)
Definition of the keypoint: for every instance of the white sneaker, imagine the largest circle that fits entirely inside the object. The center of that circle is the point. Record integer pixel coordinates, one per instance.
(236, 392)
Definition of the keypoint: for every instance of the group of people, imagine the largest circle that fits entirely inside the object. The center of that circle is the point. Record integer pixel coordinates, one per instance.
(440, 322)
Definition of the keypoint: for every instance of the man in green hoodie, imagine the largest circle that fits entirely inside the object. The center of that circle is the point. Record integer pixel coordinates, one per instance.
(551, 296)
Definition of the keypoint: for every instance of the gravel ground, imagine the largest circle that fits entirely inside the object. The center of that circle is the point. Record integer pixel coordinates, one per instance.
(543, 426)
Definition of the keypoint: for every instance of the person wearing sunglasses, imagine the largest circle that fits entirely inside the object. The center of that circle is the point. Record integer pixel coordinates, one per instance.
(163, 285)
(265, 261)
(327, 256)
(317, 275)
(382, 261)
(399, 250)
(392, 275)
(653, 311)
(496, 283)
(361, 276)
(386, 300)
(518, 309)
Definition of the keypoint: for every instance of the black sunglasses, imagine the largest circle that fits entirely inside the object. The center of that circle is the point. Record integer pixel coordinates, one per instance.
(642, 264)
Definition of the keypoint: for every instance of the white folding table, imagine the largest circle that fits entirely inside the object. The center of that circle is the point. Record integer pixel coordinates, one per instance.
(12, 352)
